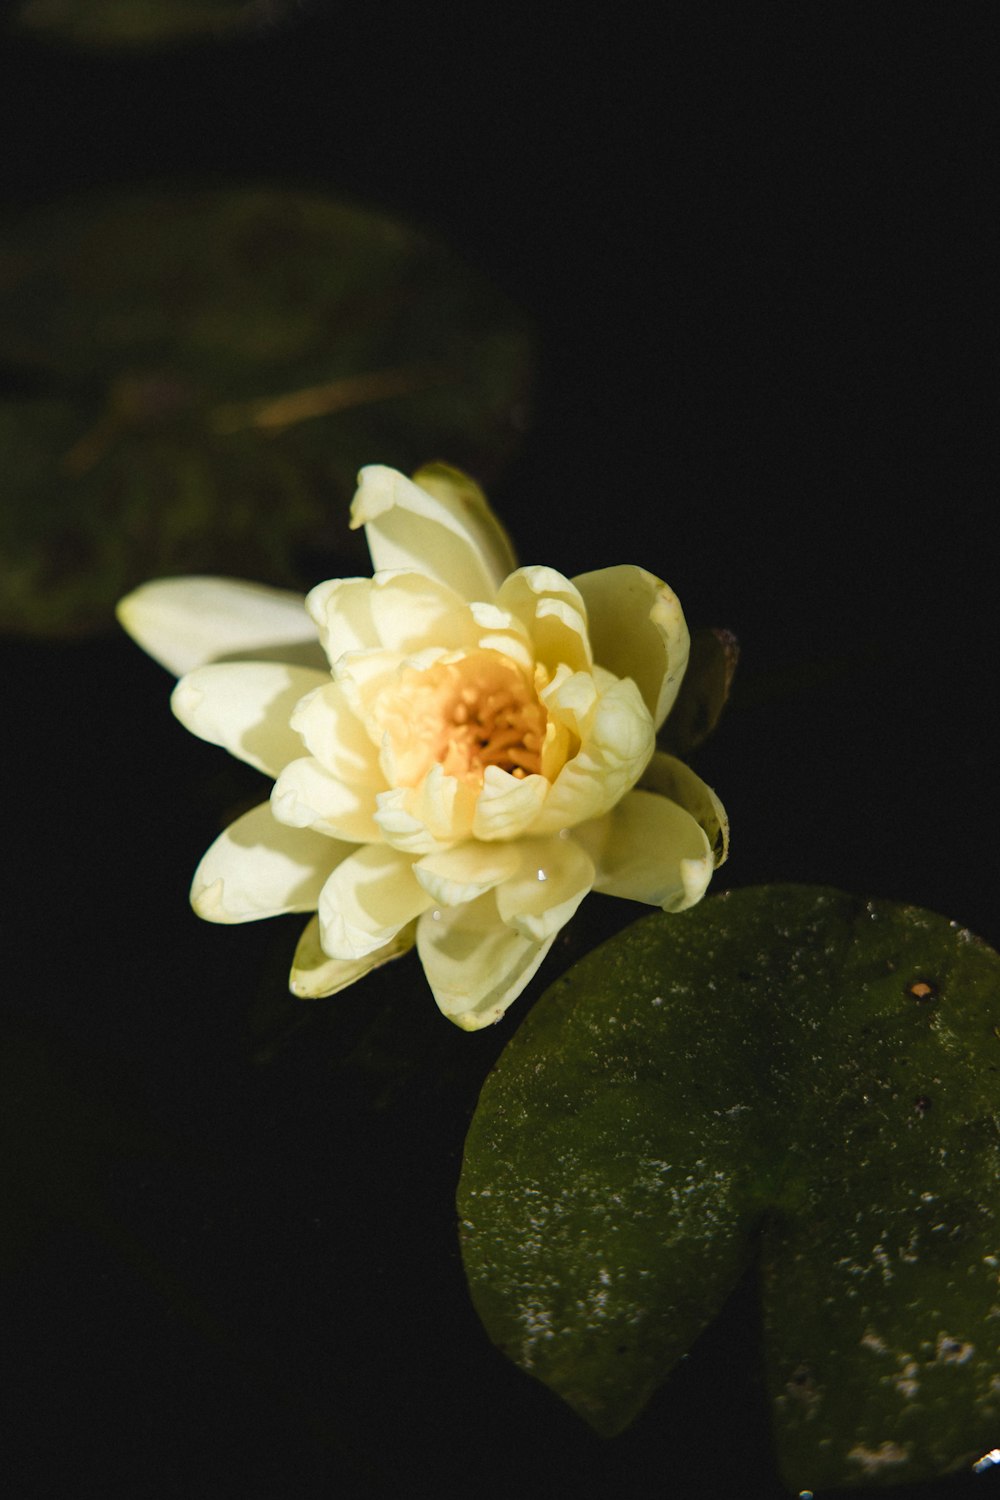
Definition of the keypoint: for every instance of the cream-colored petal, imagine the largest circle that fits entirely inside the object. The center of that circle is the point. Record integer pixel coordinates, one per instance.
(449, 536)
(465, 497)
(499, 630)
(259, 868)
(421, 819)
(412, 612)
(615, 750)
(331, 731)
(671, 778)
(184, 623)
(475, 964)
(637, 630)
(315, 975)
(246, 707)
(553, 876)
(368, 899)
(649, 849)
(466, 871)
(508, 805)
(552, 611)
(341, 610)
(306, 795)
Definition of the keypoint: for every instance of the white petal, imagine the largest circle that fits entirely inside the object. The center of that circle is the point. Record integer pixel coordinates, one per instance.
(341, 610)
(649, 849)
(306, 795)
(331, 731)
(411, 612)
(508, 805)
(246, 707)
(259, 868)
(553, 613)
(637, 630)
(314, 975)
(467, 871)
(671, 778)
(553, 876)
(475, 964)
(447, 536)
(616, 748)
(367, 900)
(185, 622)
(427, 817)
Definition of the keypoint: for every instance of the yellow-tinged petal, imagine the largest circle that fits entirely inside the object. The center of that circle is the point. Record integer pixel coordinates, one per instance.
(475, 964)
(672, 778)
(184, 623)
(446, 535)
(333, 734)
(246, 707)
(616, 747)
(649, 849)
(637, 630)
(436, 813)
(341, 610)
(508, 805)
(411, 612)
(306, 795)
(259, 868)
(315, 975)
(368, 899)
(551, 880)
(552, 611)
(466, 871)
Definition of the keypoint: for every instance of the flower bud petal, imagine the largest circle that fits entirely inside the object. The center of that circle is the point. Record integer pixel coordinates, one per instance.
(370, 896)
(185, 622)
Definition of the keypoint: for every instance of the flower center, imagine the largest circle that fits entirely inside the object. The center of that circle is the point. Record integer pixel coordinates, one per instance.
(477, 711)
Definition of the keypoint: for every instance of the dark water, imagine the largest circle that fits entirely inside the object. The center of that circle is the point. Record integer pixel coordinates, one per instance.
(756, 259)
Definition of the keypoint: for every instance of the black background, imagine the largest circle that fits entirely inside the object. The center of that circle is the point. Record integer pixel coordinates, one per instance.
(755, 246)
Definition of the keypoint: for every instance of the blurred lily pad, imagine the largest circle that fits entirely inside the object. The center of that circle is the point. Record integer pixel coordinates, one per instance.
(142, 23)
(785, 1076)
(190, 381)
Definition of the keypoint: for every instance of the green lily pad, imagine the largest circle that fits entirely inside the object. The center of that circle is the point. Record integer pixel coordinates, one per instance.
(189, 382)
(142, 23)
(789, 1076)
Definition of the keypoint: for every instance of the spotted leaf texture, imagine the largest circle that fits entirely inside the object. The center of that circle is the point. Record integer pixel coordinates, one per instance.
(786, 1077)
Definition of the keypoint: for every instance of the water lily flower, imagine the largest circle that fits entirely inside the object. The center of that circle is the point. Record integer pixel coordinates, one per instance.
(461, 748)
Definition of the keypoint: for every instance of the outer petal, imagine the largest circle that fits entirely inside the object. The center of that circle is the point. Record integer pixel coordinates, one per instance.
(449, 535)
(185, 622)
(467, 871)
(246, 707)
(617, 742)
(637, 630)
(315, 976)
(671, 778)
(554, 614)
(259, 868)
(475, 964)
(368, 899)
(552, 878)
(306, 795)
(649, 849)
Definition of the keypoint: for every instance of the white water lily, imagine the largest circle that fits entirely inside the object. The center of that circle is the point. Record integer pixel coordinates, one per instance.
(466, 750)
